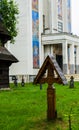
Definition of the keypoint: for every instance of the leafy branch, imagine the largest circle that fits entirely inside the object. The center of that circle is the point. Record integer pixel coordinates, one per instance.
(8, 14)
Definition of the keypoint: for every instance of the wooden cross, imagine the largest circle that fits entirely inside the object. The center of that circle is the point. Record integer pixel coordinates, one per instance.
(50, 73)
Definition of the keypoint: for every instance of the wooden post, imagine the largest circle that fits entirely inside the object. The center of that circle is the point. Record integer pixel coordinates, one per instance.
(51, 103)
(50, 73)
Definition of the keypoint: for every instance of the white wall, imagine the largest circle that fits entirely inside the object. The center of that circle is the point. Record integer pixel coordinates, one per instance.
(22, 49)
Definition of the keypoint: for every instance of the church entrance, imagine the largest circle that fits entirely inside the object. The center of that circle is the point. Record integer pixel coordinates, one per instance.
(59, 60)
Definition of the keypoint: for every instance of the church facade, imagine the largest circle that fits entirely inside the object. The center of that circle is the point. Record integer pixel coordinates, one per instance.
(44, 28)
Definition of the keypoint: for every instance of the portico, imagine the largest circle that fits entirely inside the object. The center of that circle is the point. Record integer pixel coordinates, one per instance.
(65, 47)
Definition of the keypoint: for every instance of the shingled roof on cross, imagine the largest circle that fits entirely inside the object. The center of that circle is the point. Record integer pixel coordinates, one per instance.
(50, 72)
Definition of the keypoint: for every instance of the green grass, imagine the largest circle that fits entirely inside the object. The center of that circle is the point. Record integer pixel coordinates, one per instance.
(25, 108)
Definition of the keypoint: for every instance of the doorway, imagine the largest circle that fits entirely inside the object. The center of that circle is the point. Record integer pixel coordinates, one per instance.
(59, 60)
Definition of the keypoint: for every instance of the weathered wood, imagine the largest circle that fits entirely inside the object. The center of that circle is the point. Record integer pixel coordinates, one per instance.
(51, 65)
(51, 103)
(50, 73)
(6, 59)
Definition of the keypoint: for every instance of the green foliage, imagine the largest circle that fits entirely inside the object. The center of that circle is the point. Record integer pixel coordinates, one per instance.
(25, 108)
(8, 12)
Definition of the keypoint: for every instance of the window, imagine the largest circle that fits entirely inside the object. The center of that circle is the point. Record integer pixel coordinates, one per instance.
(60, 27)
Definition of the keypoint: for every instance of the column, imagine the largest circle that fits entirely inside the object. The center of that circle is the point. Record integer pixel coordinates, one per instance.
(53, 15)
(68, 58)
(77, 59)
(65, 57)
(72, 61)
(51, 49)
(42, 54)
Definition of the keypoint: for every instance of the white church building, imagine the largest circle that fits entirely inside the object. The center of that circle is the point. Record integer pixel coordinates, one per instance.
(44, 28)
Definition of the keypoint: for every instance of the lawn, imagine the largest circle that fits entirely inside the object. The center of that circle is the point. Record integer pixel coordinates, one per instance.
(25, 108)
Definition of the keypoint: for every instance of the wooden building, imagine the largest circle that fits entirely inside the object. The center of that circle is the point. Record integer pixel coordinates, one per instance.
(6, 58)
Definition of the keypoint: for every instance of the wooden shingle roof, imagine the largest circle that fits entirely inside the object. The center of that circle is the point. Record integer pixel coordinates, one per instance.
(55, 76)
(6, 55)
(4, 35)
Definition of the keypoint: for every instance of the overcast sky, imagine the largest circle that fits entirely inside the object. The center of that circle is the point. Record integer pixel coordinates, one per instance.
(75, 16)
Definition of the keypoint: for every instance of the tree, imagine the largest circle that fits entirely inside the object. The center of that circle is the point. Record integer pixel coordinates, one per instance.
(8, 13)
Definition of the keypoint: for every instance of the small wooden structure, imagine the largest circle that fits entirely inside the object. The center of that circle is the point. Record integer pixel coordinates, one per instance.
(50, 73)
(6, 58)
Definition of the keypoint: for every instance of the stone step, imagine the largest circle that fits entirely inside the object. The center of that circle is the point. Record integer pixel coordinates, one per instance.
(76, 77)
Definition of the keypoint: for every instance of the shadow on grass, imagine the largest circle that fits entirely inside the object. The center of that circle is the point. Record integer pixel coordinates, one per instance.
(44, 124)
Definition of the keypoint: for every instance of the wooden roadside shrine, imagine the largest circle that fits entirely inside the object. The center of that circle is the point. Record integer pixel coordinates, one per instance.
(50, 73)
(6, 58)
